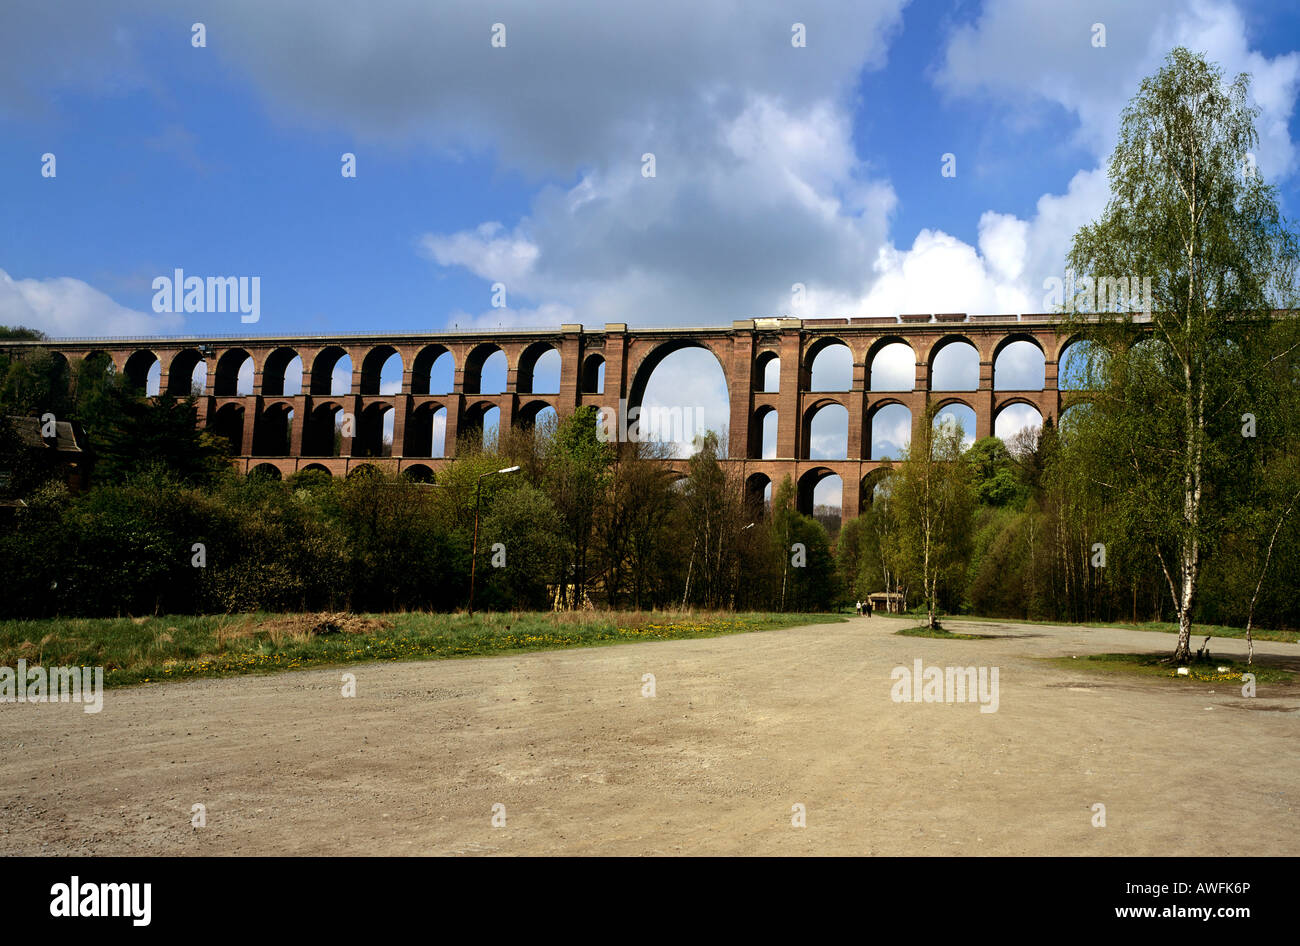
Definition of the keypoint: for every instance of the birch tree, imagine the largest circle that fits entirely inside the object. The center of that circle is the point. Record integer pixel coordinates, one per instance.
(1172, 371)
(933, 498)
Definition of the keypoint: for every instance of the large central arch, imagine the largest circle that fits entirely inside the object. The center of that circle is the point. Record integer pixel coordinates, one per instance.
(645, 369)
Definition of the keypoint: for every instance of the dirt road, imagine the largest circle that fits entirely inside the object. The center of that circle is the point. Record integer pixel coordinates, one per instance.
(739, 731)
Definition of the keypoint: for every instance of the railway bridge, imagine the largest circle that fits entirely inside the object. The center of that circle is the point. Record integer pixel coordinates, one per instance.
(274, 423)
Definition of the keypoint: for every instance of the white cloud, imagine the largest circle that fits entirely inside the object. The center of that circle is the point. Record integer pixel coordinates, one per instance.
(731, 221)
(67, 307)
(1025, 53)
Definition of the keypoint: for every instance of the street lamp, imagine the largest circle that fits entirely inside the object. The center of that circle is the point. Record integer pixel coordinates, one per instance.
(473, 562)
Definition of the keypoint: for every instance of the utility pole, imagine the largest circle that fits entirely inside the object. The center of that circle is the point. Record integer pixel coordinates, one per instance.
(473, 562)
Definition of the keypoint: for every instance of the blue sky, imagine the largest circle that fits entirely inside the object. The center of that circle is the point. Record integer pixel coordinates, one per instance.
(523, 165)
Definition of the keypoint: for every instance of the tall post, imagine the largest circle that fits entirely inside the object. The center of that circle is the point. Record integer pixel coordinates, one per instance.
(473, 560)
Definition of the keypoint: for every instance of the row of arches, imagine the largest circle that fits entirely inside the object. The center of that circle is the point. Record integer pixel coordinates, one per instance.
(325, 431)
(1019, 364)
(889, 428)
(415, 471)
(331, 372)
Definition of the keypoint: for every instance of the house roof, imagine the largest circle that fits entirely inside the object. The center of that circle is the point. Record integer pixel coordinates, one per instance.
(65, 440)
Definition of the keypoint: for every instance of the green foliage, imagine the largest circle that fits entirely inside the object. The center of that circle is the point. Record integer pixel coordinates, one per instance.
(135, 434)
(1162, 439)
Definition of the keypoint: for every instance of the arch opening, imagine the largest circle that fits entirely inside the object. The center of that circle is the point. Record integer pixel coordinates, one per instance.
(539, 370)
(1014, 419)
(381, 371)
(426, 432)
(763, 431)
(187, 374)
(228, 422)
(282, 374)
(767, 372)
(273, 433)
(955, 366)
(323, 436)
(679, 393)
(893, 368)
(375, 432)
(433, 371)
(891, 431)
(831, 368)
(485, 370)
(1019, 365)
(593, 375)
(958, 415)
(331, 372)
(828, 432)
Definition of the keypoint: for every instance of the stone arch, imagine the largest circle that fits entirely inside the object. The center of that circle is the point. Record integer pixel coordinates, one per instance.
(180, 372)
(424, 367)
(593, 375)
(526, 380)
(317, 468)
(823, 410)
(889, 422)
(1071, 363)
(419, 472)
(963, 413)
(374, 365)
(818, 350)
(274, 430)
(375, 422)
(1005, 434)
(475, 422)
(870, 482)
(677, 424)
(474, 363)
(948, 348)
(92, 371)
(266, 470)
(651, 360)
(1071, 413)
(763, 433)
(229, 367)
(139, 366)
(1004, 348)
(275, 372)
(807, 487)
(322, 371)
(758, 494)
(426, 431)
(880, 378)
(767, 372)
(365, 470)
(228, 422)
(526, 416)
(318, 438)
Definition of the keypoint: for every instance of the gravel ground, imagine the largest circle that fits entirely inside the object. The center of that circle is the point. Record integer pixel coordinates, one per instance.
(741, 729)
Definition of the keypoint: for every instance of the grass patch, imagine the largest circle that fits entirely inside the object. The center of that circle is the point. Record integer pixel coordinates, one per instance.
(179, 647)
(922, 630)
(1199, 631)
(1159, 665)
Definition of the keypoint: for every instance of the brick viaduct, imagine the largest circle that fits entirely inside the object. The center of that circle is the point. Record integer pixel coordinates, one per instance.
(264, 431)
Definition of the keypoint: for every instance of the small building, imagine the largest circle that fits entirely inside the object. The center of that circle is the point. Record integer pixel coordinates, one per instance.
(891, 602)
(64, 454)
